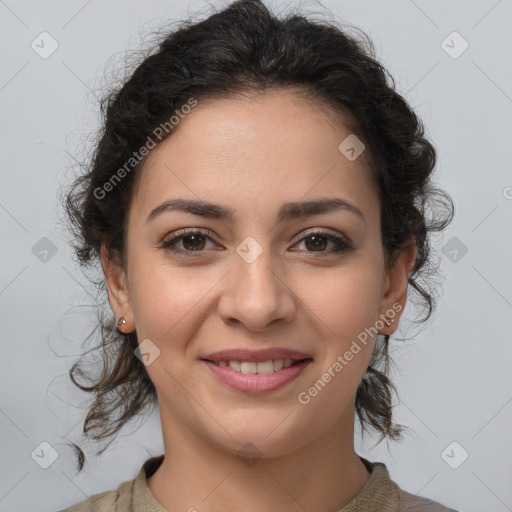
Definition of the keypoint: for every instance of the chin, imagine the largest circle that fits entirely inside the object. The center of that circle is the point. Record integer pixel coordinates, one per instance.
(257, 438)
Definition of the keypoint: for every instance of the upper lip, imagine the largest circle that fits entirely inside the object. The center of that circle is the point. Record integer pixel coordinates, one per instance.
(256, 356)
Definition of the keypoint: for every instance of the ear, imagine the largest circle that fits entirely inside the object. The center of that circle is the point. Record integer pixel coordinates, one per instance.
(395, 285)
(118, 293)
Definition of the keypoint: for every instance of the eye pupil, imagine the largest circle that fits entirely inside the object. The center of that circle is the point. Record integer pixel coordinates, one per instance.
(196, 238)
(319, 241)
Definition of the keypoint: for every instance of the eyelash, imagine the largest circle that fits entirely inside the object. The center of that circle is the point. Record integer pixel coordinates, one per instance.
(169, 244)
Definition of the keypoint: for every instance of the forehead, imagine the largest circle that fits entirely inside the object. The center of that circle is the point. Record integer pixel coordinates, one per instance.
(254, 152)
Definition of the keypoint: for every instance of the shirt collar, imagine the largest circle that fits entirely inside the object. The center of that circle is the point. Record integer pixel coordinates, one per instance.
(143, 498)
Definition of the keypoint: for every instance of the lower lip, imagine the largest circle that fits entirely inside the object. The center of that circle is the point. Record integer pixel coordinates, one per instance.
(254, 382)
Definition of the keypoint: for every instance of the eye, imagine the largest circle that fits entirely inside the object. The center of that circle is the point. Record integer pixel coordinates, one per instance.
(319, 239)
(194, 241)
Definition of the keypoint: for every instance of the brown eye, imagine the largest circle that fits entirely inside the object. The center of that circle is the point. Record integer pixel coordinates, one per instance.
(191, 241)
(318, 241)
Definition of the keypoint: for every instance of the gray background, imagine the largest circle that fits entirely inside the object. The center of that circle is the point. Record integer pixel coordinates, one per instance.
(453, 379)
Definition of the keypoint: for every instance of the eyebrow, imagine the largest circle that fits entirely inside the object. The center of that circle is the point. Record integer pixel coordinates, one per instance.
(287, 211)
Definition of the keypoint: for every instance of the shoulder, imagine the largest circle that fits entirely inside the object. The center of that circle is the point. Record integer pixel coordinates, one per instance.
(130, 495)
(384, 494)
(102, 502)
(118, 500)
(107, 501)
(412, 503)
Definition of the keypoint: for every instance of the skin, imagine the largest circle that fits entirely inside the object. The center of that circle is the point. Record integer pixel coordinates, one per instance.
(253, 155)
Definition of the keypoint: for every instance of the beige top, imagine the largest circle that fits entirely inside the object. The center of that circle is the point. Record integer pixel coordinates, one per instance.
(380, 494)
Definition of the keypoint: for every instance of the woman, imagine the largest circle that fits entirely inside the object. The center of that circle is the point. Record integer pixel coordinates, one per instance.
(257, 200)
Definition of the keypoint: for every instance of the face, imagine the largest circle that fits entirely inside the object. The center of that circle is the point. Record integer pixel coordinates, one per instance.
(310, 283)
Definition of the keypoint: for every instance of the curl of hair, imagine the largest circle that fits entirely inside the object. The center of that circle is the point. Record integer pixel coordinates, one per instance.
(238, 51)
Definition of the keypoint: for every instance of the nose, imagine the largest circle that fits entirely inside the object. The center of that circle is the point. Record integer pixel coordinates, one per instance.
(256, 294)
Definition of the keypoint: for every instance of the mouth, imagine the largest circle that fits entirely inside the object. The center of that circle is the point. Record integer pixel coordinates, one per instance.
(257, 377)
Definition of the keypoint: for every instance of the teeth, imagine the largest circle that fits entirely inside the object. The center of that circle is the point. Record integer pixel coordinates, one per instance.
(234, 365)
(264, 367)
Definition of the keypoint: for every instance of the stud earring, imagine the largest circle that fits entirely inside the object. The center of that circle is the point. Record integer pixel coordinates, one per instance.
(389, 321)
(121, 321)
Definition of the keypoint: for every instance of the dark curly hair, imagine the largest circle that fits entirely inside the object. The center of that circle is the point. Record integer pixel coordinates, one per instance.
(238, 50)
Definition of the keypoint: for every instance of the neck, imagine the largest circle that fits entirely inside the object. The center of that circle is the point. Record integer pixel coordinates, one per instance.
(324, 475)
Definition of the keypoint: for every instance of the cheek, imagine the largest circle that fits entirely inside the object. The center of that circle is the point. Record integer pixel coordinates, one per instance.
(166, 301)
(343, 302)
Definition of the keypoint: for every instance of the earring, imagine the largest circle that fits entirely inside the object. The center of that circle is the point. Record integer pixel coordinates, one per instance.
(121, 321)
(388, 321)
